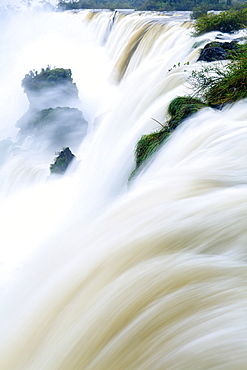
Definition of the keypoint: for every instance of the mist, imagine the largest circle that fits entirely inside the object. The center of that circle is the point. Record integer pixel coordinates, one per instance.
(100, 271)
(31, 41)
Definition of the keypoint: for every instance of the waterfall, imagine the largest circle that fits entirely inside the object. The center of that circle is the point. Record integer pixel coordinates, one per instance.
(98, 272)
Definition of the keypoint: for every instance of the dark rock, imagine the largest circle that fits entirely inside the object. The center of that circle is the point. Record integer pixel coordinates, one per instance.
(223, 36)
(218, 51)
(62, 161)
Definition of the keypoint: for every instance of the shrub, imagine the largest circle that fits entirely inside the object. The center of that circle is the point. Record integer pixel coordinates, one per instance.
(47, 78)
(199, 10)
(219, 86)
(228, 21)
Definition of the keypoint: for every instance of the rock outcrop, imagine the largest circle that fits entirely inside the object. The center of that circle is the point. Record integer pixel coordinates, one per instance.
(62, 161)
(53, 116)
(218, 51)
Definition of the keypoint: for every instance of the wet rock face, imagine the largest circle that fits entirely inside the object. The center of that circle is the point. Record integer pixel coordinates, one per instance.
(218, 51)
(50, 88)
(60, 127)
(53, 117)
(62, 161)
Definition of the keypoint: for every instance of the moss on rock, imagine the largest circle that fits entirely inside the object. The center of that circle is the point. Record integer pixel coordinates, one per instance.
(180, 108)
(50, 88)
(148, 144)
(47, 78)
(62, 161)
(60, 126)
(221, 85)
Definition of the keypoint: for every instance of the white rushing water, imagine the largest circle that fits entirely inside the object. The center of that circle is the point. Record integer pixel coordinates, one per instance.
(97, 272)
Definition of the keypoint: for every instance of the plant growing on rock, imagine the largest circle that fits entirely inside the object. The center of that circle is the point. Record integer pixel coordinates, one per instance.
(52, 116)
(50, 88)
(148, 144)
(179, 109)
(182, 107)
(220, 51)
(62, 161)
(218, 85)
(58, 126)
(47, 78)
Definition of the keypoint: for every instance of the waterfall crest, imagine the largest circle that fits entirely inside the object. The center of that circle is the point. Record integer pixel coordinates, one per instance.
(150, 274)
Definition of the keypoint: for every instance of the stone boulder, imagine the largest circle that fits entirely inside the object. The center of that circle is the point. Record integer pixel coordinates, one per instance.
(218, 51)
(62, 161)
(50, 88)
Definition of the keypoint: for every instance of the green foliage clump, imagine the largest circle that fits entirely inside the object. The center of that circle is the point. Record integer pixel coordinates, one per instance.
(98, 4)
(148, 144)
(199, 10)
(65, 115)
(47, 78)
(199, 6)
(228, 21)
(219, 86)
(58, 126)
(62, 161)
(179, 109)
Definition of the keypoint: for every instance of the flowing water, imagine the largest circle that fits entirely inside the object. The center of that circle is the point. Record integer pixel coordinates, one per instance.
(98, 272)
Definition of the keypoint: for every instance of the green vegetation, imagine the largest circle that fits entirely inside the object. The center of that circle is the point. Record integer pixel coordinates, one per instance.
(161, 5)
(221, 51)
(99, 4)
(148, 144)
(38, 120)
(67, 117)
(213, 86)
(59, 126)
(179, 109)
(218, 85)
(184, 5)
(49, 116)
(199, 10)
(47, 78)
(62, 161)
(228, 21)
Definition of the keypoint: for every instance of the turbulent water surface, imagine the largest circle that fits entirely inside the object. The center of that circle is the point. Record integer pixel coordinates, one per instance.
(98, 272)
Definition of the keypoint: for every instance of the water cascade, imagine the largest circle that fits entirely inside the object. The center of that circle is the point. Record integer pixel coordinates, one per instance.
(98, 272)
